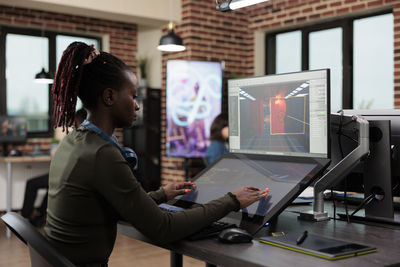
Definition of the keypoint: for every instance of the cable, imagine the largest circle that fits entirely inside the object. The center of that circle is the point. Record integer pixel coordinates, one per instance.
(334, 204)
(365, 202)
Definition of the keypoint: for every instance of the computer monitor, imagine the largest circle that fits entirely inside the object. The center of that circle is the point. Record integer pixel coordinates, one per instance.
(355, 182)
(278, 136)
(12, 130)
(283, 114)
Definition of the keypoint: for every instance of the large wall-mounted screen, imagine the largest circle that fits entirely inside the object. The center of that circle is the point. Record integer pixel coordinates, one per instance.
(194, 91)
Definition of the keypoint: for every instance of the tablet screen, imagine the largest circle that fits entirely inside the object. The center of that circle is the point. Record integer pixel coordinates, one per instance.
(286, 178)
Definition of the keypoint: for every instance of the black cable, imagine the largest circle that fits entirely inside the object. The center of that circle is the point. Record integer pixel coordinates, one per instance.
(349, 137)
(365, 202)
(334, 204)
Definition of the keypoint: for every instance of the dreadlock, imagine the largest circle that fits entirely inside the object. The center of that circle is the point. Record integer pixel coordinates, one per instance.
(86, 81)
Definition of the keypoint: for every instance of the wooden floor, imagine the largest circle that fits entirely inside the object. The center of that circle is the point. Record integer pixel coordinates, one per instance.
(127, 252)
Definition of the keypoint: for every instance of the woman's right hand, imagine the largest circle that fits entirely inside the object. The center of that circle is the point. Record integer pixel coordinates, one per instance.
(248, 195)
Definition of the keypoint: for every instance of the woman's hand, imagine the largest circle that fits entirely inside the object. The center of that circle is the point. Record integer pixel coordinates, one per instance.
(180, 188)
(248, 195)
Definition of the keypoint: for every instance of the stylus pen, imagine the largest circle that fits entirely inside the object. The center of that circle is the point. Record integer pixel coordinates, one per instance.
(301, 238)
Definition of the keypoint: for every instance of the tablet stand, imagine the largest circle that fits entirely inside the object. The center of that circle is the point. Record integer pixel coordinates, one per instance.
(342, 168)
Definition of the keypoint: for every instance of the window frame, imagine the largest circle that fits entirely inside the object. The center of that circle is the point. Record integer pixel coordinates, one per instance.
(51, 35)
(347, 49)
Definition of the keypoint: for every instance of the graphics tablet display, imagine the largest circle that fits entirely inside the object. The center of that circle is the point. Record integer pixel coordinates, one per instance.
(286, 178)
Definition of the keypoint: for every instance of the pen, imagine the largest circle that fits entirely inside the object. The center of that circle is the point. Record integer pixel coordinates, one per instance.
(301, 238)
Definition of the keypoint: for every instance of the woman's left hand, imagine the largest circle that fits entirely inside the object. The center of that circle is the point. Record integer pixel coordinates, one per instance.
(179, 188)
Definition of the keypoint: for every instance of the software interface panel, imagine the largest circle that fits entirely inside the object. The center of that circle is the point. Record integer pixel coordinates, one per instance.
(284, 114)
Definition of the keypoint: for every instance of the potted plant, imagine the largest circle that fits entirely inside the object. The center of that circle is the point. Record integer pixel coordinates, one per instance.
(143, 72)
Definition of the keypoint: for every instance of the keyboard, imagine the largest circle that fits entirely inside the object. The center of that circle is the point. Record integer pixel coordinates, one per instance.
(211, 230)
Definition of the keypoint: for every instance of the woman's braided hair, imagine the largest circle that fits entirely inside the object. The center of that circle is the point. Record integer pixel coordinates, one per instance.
(75, 78)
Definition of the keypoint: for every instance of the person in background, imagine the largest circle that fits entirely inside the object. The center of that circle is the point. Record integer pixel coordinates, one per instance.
(91, 183)
(219, 134)
(33, 185)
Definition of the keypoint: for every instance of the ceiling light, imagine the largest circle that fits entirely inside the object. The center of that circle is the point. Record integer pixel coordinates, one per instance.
(236, 4)
(171, 42)
(43, 77)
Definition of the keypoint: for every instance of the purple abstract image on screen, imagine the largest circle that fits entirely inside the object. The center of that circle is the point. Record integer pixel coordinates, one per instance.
(194, 90)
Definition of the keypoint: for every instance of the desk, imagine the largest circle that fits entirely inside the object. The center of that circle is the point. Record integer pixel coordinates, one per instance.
(9, 161)
(385, 238)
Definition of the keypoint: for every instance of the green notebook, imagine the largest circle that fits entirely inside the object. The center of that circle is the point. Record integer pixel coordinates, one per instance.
(318, 246)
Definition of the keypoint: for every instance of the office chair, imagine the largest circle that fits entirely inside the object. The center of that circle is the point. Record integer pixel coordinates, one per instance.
(41, 252)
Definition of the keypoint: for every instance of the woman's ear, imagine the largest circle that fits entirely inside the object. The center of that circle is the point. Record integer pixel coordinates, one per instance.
(108, 97)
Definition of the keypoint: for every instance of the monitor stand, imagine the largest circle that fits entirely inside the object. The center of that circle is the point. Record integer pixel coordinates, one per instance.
(341, 169)
(378, 176)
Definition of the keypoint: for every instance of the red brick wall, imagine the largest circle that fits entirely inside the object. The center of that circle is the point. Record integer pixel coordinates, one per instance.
(228, 37)
(123, 39)
(213, 36)
(276, 14)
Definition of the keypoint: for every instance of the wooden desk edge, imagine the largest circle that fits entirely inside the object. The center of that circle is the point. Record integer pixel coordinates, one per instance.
(25, 159)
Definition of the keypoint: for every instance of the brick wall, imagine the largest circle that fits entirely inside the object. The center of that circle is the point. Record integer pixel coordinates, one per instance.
(211, 36)
(123, 40)
(228, 37)
(277, 14)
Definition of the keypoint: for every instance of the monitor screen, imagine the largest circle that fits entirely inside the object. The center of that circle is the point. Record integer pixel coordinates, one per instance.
(286, 178)
(194, 92)
(13, 129)
(283, 114)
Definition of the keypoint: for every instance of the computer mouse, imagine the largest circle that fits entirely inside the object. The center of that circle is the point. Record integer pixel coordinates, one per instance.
(235, 235)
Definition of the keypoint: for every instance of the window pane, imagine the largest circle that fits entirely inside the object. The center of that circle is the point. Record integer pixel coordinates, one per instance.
(288, 52)
(24, 96)
(373, 63)
(63, 41)
(326, 52)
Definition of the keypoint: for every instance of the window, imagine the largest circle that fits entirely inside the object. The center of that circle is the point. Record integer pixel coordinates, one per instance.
(288, 52)
(359, 52)
(24, 96)
(26, 52)
(373, 63)
(325, 51)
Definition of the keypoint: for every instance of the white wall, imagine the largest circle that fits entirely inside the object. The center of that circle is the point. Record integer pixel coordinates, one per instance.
(148, 39)
(155, 13)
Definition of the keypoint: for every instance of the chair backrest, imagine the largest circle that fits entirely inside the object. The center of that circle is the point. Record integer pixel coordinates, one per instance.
(41, 251)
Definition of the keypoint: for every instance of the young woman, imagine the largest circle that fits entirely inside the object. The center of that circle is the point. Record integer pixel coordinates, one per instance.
(218, 135)
(91, 184)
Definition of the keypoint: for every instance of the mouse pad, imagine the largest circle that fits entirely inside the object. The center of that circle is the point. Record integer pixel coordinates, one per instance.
(326, 248)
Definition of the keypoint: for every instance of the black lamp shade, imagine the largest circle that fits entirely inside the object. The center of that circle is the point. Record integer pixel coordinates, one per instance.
(171, 42)
(43, 77)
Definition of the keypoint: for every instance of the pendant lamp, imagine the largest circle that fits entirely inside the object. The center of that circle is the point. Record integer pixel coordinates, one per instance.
(171, 42)
(43, 76)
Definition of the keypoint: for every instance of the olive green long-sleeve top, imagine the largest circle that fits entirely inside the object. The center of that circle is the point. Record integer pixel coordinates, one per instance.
(91, 187)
